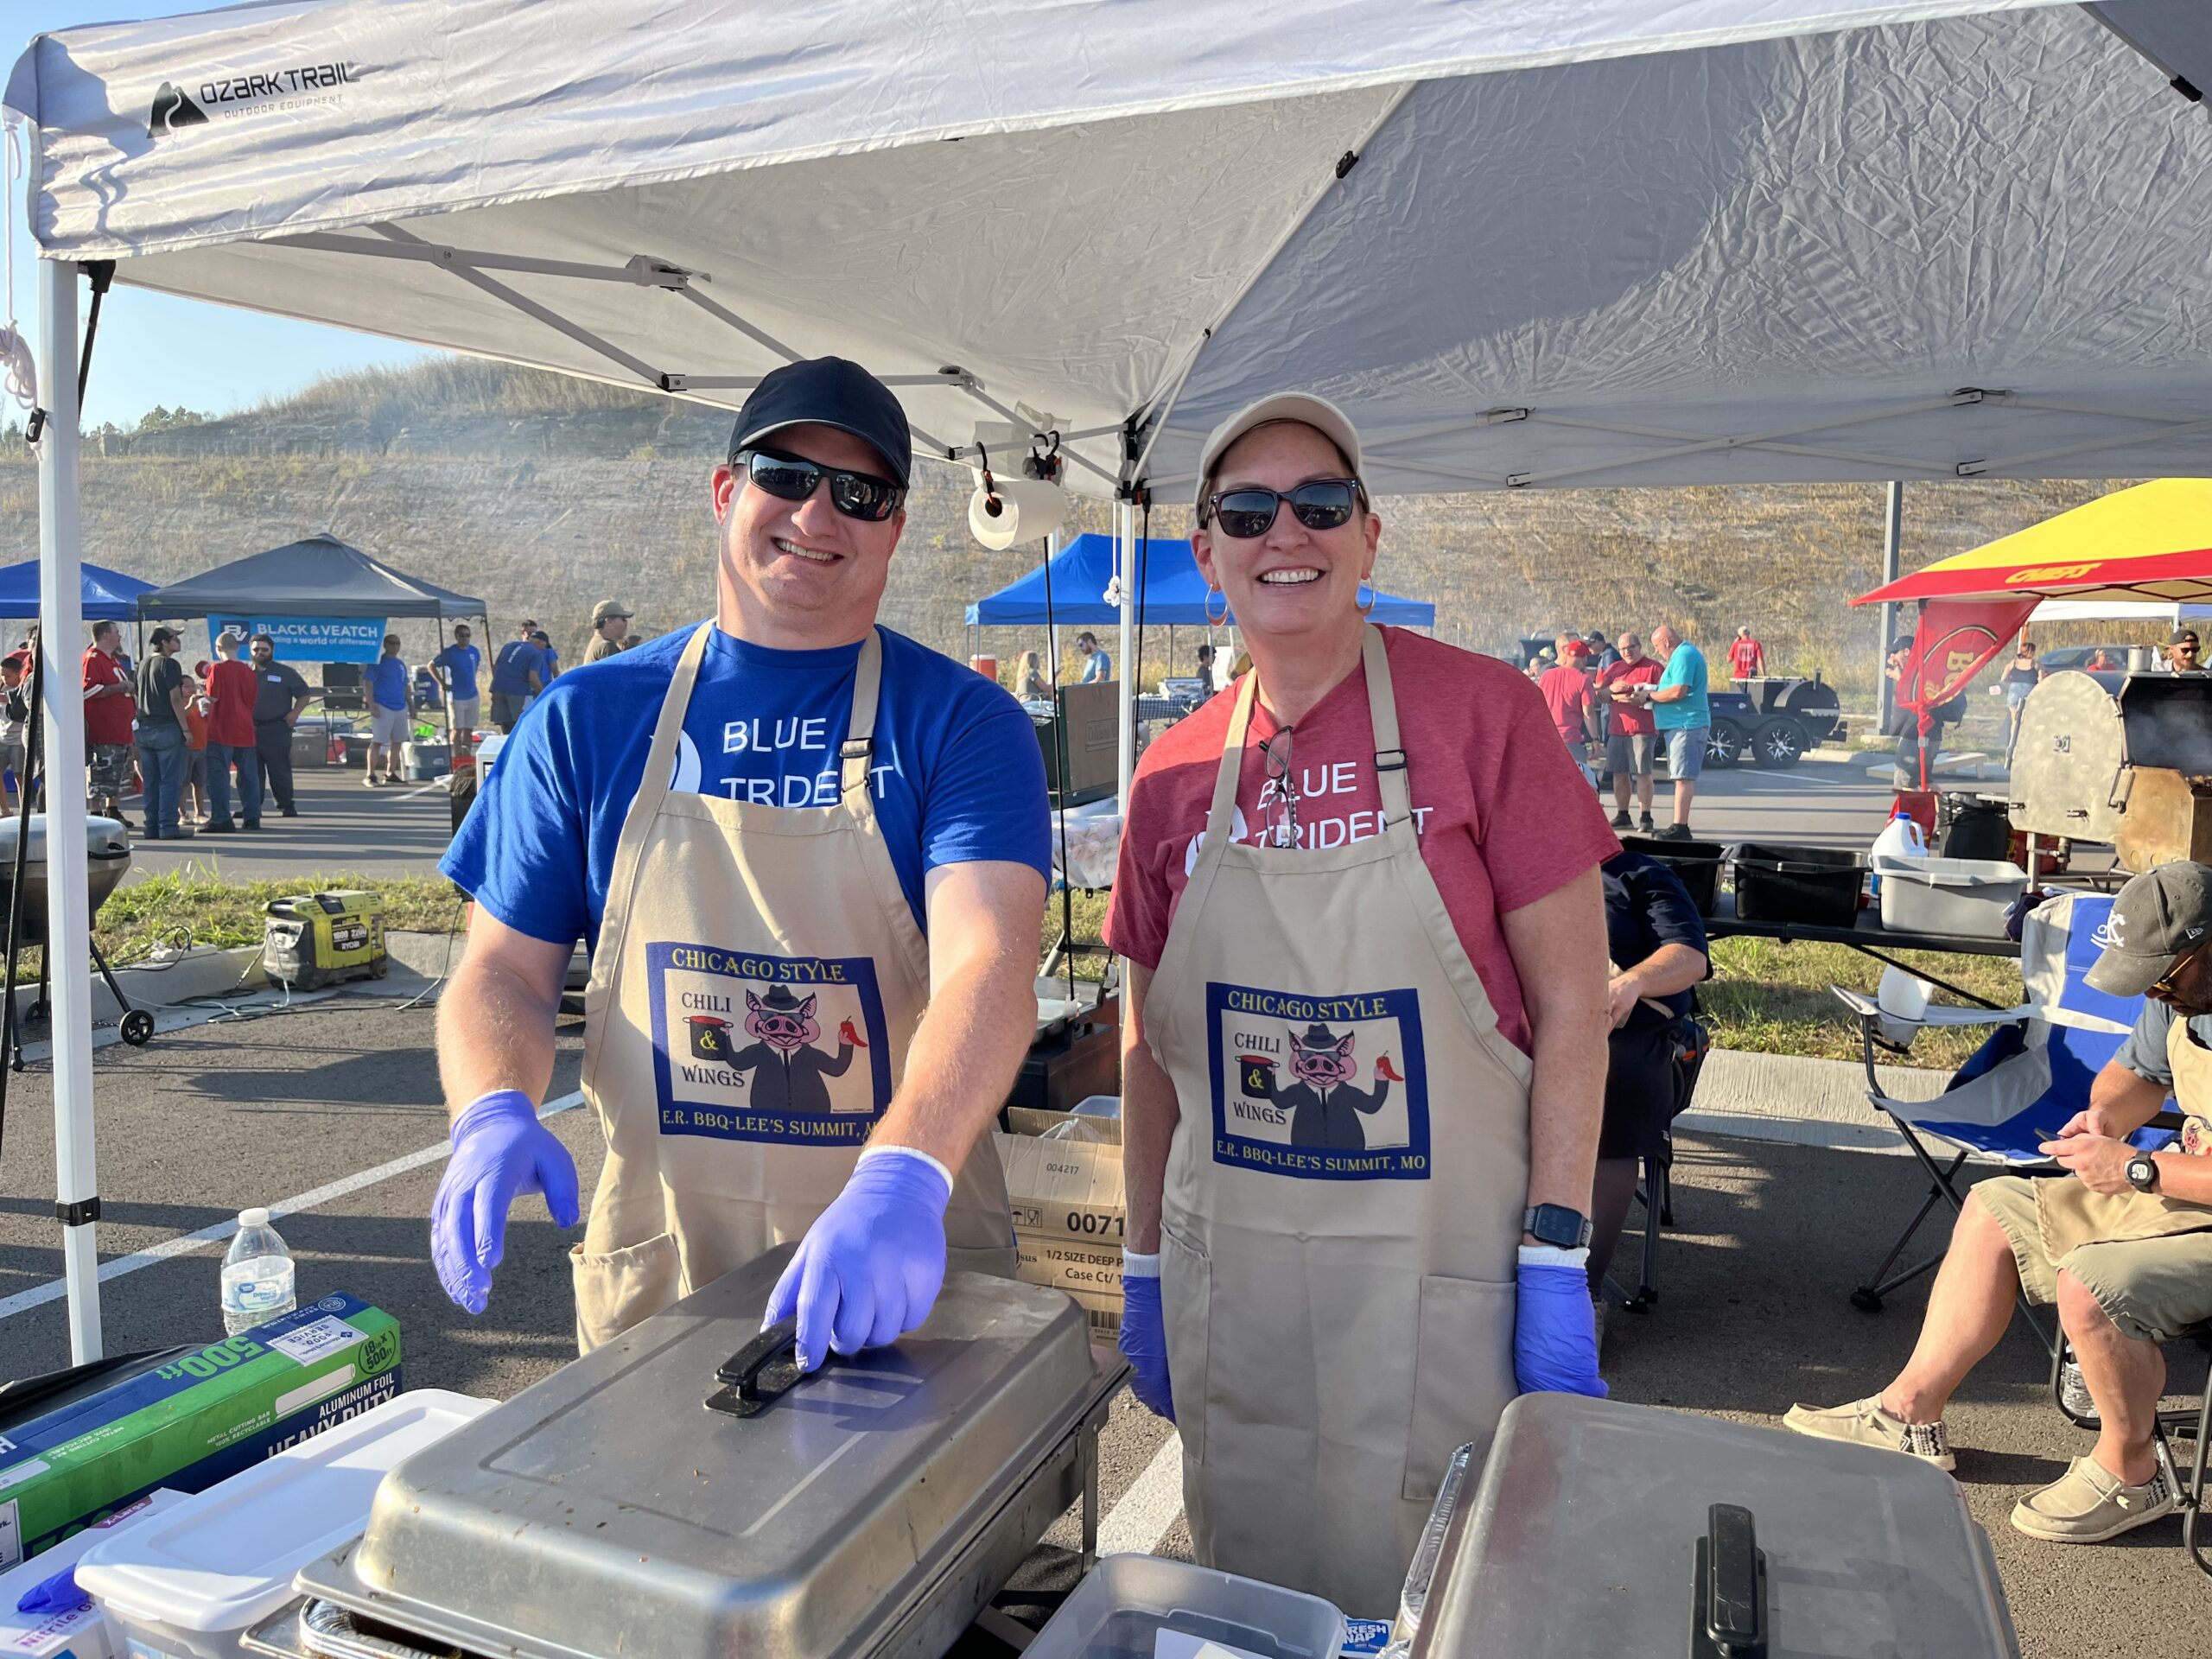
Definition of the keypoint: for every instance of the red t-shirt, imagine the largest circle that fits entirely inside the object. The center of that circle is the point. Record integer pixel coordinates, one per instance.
(1566, 693)
(107, 720)
(230, 687)
(1504, 814)
(1746, 659)
(1626, 719)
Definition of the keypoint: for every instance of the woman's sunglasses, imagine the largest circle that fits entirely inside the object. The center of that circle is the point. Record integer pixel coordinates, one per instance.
(1319, 503)
(857, 495)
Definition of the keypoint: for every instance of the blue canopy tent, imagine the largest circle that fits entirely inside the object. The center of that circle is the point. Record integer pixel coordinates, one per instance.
(1174, 592)
(109, 594)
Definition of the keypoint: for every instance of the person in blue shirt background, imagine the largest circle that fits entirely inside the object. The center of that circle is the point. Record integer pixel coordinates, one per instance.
(392, 712)
(456, 667)
(518, 675)
(1097, 666)
(787, 818)
(1680, 709)
(551, 671)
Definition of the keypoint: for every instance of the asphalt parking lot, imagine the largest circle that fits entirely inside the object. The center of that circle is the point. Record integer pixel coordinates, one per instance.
(1753, 1313)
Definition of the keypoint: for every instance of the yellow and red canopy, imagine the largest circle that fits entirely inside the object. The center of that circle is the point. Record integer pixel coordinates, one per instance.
(2153, 542)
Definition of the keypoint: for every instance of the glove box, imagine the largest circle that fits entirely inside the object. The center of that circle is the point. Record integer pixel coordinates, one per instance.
(872, 1507)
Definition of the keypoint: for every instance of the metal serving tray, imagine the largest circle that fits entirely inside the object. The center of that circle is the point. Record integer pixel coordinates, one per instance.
(872, 1508)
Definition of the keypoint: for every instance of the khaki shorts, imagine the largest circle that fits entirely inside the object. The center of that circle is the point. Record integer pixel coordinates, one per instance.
(2154, 1289)
(467, 714)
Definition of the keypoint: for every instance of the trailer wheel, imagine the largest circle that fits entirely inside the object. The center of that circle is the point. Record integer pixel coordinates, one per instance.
(136, 1027)
(1723, 744)
(1780, 742)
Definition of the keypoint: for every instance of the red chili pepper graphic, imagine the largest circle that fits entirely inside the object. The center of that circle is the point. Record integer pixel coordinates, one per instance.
(1384, 1068)
(847, 1034)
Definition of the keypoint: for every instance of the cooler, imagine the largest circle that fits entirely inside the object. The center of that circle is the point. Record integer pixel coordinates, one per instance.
(1594, 1531)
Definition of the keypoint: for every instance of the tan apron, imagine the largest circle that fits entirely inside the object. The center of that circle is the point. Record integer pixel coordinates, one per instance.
(1343, 1192)
(2069, 1214)
(758, 978)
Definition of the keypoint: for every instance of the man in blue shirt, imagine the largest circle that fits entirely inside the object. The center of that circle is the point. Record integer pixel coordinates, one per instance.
(1684, 717)
(1097, 666)
(518, 675)
(455, 667)
(810, 857)
(392, 712)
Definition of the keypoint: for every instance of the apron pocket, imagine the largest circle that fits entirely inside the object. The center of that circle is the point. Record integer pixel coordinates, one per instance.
(1186, 1307)
(618, 1290)
(1463, 1374)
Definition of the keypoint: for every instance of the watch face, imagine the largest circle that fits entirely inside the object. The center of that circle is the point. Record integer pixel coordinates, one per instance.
(2142, 1172)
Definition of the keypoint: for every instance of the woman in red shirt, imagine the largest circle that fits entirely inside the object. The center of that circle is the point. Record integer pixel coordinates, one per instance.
(1365, 1037)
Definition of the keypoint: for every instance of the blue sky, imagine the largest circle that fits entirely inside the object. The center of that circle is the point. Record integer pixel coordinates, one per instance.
(156, 349)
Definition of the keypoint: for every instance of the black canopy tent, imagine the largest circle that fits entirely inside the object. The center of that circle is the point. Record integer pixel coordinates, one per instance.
(319, 576)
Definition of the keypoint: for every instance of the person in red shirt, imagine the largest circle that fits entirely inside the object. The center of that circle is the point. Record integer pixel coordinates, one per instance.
(231, 689)
(1746, 655)
(1631, 734)
(111, 708)
(1363, 1040)
(192, 798)
(1569, 694)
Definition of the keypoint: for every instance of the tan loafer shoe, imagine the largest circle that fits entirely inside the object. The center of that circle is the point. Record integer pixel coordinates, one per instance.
(1863, 1422)
(2090, 1503)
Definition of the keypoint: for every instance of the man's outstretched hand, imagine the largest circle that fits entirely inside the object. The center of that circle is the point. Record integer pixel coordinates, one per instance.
(870, 1268)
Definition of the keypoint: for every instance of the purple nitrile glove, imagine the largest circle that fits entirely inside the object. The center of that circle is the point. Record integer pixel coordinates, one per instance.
(1144, 1334)
(869, 1269)
(1554, 1326)
(501, 1151)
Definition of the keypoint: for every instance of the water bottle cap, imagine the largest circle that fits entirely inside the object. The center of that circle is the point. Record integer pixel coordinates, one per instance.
(253, 1219)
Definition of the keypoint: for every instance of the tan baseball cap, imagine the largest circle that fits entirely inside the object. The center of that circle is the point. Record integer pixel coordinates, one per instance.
(1303, 407)
(607, 609)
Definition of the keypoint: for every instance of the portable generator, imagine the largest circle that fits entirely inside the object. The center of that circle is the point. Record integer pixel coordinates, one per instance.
(325, 938)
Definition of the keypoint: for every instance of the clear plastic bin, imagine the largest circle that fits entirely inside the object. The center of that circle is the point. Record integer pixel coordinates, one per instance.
(1118, 1611)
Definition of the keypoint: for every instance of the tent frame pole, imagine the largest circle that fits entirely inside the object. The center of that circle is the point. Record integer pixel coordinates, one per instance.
(1893, 528)
(69, 957)
(1124, 574)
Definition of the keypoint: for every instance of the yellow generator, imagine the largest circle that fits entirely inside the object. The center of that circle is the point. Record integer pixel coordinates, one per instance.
(325, 938)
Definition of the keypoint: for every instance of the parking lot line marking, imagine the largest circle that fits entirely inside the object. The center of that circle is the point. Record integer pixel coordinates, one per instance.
(188, 1243)
(427, 789)
(1147, 1510)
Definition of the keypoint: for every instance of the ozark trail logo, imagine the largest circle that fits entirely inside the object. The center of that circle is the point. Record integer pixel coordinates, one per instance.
(298, 87)
(172, 110)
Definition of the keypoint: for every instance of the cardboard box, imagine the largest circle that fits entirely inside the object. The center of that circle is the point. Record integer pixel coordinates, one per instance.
(194, 1422)
(82, 1632)
(1069, 1217)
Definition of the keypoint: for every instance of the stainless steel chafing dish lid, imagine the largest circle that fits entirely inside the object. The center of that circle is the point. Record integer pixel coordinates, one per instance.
(607, 1511)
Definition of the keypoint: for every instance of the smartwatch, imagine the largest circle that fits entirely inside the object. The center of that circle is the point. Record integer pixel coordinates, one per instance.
(2143, 1172)
(1556, 1225)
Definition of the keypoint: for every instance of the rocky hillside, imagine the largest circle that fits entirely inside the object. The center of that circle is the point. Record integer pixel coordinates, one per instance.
(544, 494)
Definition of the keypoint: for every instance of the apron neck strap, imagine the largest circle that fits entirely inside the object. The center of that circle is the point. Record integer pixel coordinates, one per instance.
(859, 747)
(1382, 714)
(660, 759)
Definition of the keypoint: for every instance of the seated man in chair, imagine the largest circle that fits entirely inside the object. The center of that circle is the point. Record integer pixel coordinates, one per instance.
(2122, 1244)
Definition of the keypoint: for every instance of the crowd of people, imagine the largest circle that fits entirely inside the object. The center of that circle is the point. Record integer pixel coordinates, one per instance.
(1617, 707)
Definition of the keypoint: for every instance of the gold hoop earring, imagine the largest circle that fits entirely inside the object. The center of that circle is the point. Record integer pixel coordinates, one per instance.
(1213, 621)
(1374, 595)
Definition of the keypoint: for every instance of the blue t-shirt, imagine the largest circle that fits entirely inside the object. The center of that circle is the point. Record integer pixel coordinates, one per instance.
(511, 668)
(461, 664)
(958, 776)
(1648, 907)
(1096, 667)
(1685, 667)
(388, 683)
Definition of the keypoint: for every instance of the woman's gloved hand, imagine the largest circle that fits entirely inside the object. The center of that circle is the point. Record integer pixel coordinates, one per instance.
(870, 1268)
(1144, 1334)
(1554, 1326)
(501, 1151)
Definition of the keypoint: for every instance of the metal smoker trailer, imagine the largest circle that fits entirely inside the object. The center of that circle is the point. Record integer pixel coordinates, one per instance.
(2124, 760)
(683, 1490)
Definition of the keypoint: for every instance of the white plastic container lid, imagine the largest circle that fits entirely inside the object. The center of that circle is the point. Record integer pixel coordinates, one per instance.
(225, 1558)
(83, 1632)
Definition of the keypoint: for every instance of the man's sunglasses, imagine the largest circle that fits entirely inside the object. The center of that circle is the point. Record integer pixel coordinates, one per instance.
(857, 495)
(1318, 503)
(2169, 985)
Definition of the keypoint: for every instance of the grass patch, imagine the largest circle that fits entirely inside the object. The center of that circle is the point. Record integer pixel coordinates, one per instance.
(190, 906)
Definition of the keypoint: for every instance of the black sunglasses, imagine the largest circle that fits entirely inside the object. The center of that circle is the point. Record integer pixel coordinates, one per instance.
(1319, 503)
(788, 478)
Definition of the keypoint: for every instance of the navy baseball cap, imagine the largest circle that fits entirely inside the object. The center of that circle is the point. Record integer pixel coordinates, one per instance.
(828, 391)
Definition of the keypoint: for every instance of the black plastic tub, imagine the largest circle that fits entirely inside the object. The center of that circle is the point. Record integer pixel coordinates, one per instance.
(1697, 862)
(1814, 886)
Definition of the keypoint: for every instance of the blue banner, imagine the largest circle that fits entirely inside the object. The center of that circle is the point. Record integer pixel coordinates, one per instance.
(309, 638)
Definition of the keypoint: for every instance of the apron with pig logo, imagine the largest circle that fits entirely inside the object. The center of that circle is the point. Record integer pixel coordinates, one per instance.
(757, 979)
(1343, 1193)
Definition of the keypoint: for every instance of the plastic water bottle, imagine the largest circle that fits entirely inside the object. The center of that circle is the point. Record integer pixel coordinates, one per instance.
(257, 1275)
(1900, 838)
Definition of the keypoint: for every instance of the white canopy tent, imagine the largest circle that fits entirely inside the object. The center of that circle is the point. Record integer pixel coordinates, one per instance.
(1524, 242)
(2093, 610)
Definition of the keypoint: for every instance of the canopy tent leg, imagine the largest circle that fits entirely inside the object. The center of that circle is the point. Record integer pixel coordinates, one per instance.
(1125, 518)
(68, 952)
(1892, 523)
